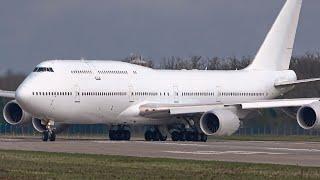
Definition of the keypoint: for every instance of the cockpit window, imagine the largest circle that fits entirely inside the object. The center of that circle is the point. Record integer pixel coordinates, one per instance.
(43, 69)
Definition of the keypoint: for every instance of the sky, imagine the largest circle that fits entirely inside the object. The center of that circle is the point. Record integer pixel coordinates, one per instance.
(36, 30)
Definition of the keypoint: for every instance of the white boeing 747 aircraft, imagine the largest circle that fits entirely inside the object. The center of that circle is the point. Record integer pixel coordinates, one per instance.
(188, 104)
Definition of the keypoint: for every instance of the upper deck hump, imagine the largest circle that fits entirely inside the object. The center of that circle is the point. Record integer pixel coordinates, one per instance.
(95, 63)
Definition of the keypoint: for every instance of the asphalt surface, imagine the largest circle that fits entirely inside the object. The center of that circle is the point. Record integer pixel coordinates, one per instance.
(292, 153)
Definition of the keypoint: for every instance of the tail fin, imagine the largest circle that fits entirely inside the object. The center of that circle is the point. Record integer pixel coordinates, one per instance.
(276, 50)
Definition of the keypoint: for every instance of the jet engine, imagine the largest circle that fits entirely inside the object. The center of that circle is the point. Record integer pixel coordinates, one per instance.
(40, 126)
(308, 116)
(219, 123)
(14, 114)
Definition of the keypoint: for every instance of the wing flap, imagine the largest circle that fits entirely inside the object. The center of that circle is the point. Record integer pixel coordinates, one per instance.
(154, 110)
(278, 103)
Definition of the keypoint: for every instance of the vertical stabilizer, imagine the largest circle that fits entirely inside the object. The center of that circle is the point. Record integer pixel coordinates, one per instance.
(276, 50)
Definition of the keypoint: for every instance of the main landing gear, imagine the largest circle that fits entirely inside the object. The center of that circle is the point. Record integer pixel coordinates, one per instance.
(187, 132)
(154, 134)
(119, 133)
(49, 133)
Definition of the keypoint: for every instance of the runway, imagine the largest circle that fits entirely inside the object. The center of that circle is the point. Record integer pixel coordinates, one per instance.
(291, 153)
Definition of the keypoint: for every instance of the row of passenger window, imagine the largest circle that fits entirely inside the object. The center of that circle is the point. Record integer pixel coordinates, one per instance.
(52, 93)
(150, 94)
(99, 72)
(113, 72)
(81, 72)
(103, 94)
(241, 94)
(197, 94)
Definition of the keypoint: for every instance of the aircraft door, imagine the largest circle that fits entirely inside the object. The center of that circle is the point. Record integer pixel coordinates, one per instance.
(217, 94)
(94, 71)
(131, 94)
(76, 94)
(175, 94)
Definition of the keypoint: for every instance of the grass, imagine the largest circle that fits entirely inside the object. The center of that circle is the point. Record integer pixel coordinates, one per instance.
(43, 165)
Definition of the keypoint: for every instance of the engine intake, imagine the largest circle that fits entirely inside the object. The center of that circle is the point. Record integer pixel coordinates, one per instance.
(219, 123)
(14, 114)
(308, 116)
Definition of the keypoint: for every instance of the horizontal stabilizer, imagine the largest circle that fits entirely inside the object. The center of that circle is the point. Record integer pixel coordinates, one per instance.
(292, 83)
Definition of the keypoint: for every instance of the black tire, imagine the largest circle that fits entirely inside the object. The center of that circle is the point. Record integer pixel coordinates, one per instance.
(163, 138)
(203, 137)
(112, 135)
(148, 135)
(120, 135)
(183, 135)
(127, 135)
(175, 136)
(45, 136)
(52, 136)
(156, 136)
(189, 136)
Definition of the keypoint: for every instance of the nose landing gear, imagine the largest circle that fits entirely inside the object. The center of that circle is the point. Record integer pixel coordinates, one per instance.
(49, 133)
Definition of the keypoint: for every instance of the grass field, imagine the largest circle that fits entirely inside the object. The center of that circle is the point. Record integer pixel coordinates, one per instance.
(42, 165)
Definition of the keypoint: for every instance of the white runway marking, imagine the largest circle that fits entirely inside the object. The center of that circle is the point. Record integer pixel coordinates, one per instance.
(224, 152)
(289, 149)
(10, 140)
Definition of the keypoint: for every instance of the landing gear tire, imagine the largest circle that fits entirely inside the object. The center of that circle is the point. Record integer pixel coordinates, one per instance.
(203, 137)
(119, 135)
(127, 135)
(163, 138)
(188, 135)
(45, 136)
(52, 136)
(191, 136)
(154, 135)
(148, 136)
(176, 136)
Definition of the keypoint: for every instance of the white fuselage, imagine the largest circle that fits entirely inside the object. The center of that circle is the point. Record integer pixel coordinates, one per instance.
(92, 92)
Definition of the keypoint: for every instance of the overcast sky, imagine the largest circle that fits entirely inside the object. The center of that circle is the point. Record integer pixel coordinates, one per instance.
(35, 30)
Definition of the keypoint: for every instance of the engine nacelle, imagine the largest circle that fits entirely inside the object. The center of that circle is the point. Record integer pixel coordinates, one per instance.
(40, 126)
(219, 123)
(308, 116)
(14, 114)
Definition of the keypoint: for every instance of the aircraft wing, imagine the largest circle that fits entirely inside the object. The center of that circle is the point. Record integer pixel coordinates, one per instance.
(8, 94)
(166, 110)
